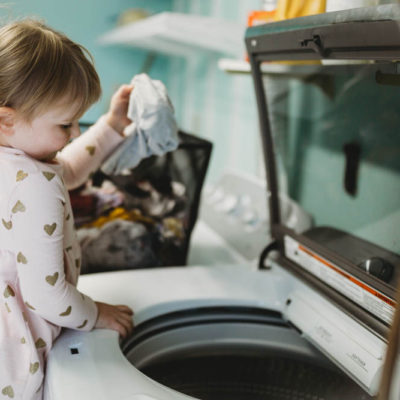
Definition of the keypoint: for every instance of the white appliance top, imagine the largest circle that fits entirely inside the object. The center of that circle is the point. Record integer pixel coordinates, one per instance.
(96, 355)
(155, 292)
(152, 292)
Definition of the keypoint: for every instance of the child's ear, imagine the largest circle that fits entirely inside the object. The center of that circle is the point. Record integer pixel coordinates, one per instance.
(7, 120)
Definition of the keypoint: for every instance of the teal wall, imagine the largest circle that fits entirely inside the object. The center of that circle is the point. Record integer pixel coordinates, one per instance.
(84, 21)
(214, 104)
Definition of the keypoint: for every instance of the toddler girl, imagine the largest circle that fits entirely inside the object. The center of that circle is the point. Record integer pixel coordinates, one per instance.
(46, 83)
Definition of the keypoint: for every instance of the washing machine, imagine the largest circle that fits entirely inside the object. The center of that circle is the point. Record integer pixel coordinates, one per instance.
(225, 329)
(309, 319)
(214, 333)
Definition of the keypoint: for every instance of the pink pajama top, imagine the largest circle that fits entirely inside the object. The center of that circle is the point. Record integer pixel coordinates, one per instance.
(40, 257)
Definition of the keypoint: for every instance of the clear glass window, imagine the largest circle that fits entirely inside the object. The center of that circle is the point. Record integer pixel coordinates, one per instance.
(337, 146)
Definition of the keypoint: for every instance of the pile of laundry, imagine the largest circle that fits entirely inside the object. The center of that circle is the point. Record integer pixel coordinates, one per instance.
(117, 229)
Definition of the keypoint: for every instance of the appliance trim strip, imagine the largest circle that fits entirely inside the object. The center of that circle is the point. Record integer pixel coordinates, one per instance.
(266, 137)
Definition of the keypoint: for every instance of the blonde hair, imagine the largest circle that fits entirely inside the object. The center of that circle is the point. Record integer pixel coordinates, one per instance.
(40, 66)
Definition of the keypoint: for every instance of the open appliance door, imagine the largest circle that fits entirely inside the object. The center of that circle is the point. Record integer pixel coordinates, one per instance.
(329, 113)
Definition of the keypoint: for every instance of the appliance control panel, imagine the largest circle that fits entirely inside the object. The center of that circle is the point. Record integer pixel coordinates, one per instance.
(236, 207)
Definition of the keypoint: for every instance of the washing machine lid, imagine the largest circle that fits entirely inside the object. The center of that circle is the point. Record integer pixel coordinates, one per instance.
(360, 33)
(356, 268)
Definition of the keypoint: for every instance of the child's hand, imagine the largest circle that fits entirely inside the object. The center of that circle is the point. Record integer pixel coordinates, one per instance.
(116, 116)
(117, 318)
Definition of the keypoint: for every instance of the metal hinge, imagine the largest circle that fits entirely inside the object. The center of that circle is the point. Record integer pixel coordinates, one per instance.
(315, 44)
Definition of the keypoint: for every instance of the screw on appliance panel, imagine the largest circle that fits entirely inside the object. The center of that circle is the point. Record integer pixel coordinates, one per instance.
(288, 301)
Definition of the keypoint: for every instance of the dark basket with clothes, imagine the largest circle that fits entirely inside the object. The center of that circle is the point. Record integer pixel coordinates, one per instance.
(143, 217)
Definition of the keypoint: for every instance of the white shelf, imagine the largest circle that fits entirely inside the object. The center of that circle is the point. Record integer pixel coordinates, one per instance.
(237, 66)
(180, 34)
(233, 65)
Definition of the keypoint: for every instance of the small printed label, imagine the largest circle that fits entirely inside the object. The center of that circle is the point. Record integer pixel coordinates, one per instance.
(364, 295)
(358, 360)
(324, 334)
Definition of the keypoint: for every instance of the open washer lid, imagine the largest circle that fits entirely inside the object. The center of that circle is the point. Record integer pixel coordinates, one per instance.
(330, 134)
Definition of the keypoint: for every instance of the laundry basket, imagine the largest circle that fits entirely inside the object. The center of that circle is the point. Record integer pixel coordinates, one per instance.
(144, 217)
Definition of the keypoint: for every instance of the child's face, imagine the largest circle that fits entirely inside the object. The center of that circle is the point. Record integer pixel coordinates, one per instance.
(46, 134)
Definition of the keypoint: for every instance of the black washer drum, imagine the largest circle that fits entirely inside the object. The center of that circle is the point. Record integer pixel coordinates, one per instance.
(236, 354)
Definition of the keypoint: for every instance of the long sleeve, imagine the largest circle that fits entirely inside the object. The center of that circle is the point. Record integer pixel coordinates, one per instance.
(84, 155)
(37, 218)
